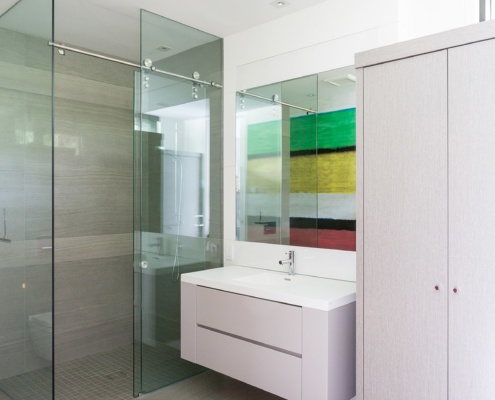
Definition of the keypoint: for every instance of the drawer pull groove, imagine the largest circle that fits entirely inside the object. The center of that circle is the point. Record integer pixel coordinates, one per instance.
(290, 353)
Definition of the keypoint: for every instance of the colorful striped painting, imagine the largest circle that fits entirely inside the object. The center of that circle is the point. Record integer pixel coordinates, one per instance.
(336, 171)
(322, 171)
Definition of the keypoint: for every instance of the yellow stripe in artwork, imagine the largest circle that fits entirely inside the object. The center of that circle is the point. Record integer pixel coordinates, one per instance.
(303, 177)
(264, 175)
(336, 173)
(327, 173)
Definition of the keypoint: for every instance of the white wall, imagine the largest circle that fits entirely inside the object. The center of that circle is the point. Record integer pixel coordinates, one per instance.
(425, 17)
(314, 40)
(306, 42)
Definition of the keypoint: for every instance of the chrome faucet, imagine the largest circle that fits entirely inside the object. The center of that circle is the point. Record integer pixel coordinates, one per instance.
(289, 262)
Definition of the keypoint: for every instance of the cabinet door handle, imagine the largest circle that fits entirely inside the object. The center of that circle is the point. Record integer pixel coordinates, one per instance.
(437, 287)
(454, 290)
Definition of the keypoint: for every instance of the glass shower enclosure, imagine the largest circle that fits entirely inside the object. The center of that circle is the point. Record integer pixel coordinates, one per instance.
(177, 197)
(177, 187)
(26, 168)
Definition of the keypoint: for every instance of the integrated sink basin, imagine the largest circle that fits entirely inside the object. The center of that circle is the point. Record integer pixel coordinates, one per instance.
(269, 279)
(300, 290)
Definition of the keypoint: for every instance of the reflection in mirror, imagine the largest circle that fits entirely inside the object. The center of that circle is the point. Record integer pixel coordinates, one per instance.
(296, 168)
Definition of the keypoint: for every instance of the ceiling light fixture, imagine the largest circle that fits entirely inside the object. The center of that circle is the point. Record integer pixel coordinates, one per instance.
(342, 80)
(279, 3)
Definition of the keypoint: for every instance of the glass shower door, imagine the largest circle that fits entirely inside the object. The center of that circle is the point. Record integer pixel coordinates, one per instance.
(26, 262)
(177, 120)
(174, 143)
(178, 187)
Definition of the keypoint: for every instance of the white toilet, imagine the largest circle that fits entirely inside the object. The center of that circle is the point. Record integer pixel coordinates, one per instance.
(40, 330)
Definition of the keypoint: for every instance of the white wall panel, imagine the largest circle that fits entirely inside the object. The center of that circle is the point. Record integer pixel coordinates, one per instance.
(327, 54)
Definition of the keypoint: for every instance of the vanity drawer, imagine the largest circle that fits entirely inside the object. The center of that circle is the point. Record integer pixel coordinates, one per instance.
(270, 370)
(274, 324)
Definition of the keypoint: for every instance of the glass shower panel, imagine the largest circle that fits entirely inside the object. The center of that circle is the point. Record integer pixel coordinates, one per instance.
(26, 200)
(174, 142)
(173, 183)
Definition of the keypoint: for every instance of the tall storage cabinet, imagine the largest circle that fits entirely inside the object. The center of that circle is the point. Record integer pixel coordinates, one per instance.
(426, 231)
(472, 220)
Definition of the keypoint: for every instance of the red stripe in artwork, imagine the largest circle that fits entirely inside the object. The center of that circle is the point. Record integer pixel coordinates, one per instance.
(327, 238)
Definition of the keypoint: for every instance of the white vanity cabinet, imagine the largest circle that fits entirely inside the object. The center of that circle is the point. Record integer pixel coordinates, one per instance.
(293, 351)
(236, 332)
(426, 225)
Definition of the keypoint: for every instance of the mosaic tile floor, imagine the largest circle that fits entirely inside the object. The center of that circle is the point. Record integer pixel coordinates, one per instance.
(34, 385)
(4, 396)
(211, 386)
(103, 376)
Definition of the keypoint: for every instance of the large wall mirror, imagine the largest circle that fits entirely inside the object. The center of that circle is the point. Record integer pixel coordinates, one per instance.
(296, 162)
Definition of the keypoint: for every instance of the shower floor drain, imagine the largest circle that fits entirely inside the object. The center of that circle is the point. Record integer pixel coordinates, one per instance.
(115, 375)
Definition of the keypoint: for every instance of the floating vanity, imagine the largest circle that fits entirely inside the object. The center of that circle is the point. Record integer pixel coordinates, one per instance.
(293, 336)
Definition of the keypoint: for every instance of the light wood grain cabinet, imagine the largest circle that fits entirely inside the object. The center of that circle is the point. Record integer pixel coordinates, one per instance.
(472, 221)
(426, 183)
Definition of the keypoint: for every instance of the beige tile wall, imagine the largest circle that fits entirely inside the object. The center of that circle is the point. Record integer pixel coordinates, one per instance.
(93, 205)
(25, 193)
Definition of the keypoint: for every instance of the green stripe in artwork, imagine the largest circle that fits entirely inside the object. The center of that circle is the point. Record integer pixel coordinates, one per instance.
(335, 129)
(264, 138)
(302, 133)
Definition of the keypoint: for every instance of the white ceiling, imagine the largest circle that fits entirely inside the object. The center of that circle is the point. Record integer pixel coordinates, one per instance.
(112, 26)
(218, 17)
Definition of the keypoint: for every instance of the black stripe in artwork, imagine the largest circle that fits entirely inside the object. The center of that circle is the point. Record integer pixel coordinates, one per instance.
(263, 155)
(321, 151)
(339, 150)
(298, 153)
(323, 223)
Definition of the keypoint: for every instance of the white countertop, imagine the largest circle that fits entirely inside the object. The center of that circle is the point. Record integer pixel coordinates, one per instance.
(300, 290)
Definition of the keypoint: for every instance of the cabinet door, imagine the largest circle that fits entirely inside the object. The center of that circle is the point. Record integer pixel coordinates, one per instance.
(472, 221)
(405, 229)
